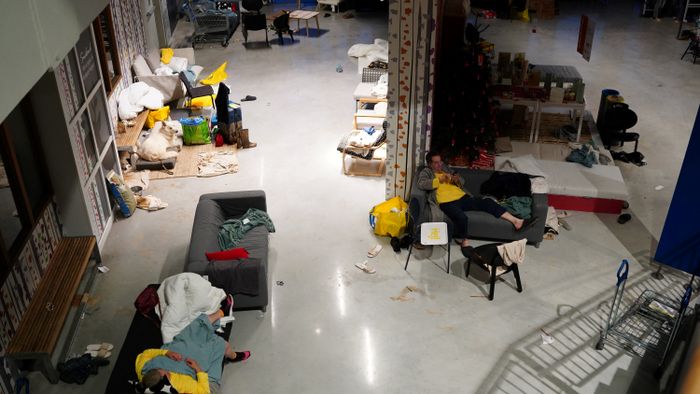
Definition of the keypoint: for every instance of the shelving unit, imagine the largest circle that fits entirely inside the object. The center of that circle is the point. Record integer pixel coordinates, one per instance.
(80, 139)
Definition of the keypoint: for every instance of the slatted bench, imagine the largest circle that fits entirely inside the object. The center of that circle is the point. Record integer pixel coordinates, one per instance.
(127, 137)
(43, 322)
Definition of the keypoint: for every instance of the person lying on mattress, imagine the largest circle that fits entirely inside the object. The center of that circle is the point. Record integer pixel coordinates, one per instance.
(191, 363)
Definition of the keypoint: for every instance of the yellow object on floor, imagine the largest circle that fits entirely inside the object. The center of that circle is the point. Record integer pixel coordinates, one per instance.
(201, 102)
(166, 54)
(157, 115)
(389, 218)
(217, 76)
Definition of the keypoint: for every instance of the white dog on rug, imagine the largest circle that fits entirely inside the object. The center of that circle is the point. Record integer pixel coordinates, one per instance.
(163, 143)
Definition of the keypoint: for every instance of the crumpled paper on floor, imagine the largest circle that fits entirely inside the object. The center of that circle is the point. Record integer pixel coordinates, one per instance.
(150, 203)
(217, 163)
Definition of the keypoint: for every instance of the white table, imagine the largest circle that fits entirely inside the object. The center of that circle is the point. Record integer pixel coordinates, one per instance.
(573, 105)
(534, 103)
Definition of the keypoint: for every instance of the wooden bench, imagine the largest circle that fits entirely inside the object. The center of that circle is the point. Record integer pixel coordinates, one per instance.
(127, 137)
(39, 331)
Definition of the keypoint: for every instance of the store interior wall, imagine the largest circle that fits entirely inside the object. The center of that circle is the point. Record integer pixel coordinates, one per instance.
(47, 30)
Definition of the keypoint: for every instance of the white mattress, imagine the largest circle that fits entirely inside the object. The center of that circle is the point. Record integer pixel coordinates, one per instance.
(573, 179)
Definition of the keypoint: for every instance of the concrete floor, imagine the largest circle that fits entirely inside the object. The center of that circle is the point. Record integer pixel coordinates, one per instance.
(332, 328)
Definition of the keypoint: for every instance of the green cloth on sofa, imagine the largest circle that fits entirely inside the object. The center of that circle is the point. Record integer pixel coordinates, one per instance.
(232, 231)
(518, 206)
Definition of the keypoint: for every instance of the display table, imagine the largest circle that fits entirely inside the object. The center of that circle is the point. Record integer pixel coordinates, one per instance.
(300, 15)
(573, 105)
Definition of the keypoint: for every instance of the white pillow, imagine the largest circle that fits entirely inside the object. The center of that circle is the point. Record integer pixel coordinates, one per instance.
(141, 67)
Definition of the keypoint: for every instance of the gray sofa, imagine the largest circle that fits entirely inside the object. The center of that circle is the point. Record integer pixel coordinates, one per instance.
(212, 210)
(481, 224)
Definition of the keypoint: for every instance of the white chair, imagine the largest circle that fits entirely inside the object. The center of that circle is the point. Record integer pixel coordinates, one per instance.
(433, 233)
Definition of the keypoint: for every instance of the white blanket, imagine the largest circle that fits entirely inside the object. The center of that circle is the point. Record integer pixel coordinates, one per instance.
(135, 97)
(377, 51)
(523, 164)
(183, 298)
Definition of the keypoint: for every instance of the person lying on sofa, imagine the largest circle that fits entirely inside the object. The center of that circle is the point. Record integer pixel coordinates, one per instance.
(191, 363)
(445, 191)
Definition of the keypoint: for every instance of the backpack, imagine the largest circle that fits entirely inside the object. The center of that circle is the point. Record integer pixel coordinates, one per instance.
(147, 301)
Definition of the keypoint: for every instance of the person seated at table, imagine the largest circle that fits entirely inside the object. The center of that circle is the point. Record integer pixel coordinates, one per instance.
(444, 189)
(191, 363)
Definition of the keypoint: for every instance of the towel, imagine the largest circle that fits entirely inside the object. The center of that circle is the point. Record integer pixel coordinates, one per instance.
(512, 252)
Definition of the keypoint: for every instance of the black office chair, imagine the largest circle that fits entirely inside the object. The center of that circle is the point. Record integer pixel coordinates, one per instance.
(618, 119)
(253, 19)
(492, 260)
(281, 24)
(199, 91)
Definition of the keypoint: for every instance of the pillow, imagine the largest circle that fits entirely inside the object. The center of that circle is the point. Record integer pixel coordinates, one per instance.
(231, 254)
(141, 67)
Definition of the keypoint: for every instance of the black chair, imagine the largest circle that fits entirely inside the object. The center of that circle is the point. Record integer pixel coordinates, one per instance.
(253, 19)
(281, 24)
(693, 48)
(492, 259)
(199, 91)
(618, 119)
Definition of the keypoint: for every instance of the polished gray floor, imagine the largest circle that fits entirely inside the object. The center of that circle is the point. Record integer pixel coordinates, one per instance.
(333, 329)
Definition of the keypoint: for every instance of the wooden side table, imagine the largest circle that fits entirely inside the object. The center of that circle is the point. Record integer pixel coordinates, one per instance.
(305, 15)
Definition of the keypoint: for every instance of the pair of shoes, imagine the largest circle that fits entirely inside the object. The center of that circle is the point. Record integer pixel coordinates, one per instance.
(365, 267)
(99, 350)
(240, 356)
(406, 241)
(249, 98)
(527, 223)
(624, 218)
(374, 251)
(395, 244)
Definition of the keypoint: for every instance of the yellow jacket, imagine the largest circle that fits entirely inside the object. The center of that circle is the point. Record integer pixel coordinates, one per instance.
(184, 384)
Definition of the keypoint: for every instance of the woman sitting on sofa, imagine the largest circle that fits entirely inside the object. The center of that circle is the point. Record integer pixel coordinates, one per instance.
(444, 189)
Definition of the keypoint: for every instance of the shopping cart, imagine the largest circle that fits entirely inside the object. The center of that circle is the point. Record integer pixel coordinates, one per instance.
(650, 324)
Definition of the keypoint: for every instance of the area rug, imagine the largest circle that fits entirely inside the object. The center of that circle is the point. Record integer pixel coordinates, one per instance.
(192, 157)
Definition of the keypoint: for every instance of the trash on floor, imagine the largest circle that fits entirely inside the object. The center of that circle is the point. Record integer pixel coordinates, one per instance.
(103, 268)
(339, 68)
(405, 293)
(280, 283)
(546, 338)
(150, 203)
(217, 163)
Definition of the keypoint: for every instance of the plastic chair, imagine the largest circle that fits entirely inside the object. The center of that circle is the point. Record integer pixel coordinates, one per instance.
(253, 19)
(199, 91)
(432, 233)
(492, 259)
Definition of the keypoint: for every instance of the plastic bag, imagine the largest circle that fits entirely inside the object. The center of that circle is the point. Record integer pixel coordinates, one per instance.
(389, 218)
(195, 131)
(121, 192)
(166, 54)
(157, 114)
(217, 76)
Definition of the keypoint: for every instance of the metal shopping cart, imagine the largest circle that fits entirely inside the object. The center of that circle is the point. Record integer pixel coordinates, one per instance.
(650, 324)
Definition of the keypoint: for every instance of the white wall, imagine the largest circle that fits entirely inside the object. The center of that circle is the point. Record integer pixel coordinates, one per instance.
(34, 36)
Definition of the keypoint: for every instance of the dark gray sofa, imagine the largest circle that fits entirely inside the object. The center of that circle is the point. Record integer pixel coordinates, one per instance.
(483, 225)
(212, 210)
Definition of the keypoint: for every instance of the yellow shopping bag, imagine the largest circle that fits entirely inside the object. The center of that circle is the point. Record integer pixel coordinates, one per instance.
(217, 76)
(165, 55)
(157, 115)
(389, 218)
